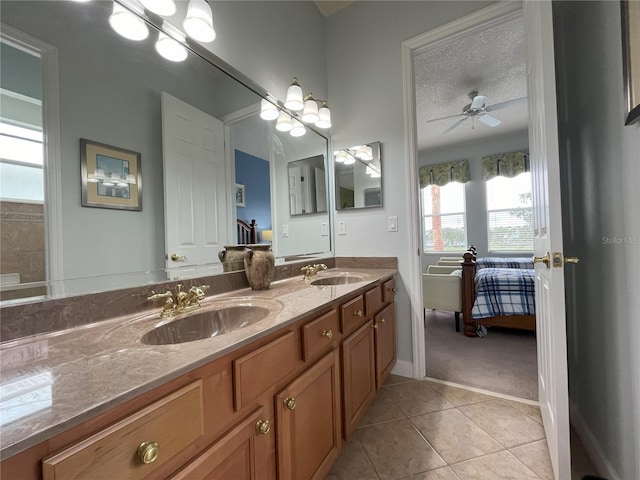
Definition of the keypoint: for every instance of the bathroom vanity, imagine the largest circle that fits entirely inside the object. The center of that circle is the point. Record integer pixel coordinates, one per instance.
(273, 398)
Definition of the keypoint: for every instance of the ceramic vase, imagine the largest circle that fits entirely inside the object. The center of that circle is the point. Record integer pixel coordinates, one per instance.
(232, 257)
(259, 266)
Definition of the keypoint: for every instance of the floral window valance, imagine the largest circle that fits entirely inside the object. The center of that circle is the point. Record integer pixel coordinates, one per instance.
(444, 173)
(508, 164)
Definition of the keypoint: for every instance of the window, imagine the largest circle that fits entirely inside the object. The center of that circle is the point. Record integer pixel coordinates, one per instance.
(444, 218)
(510, 214)
(21, 159)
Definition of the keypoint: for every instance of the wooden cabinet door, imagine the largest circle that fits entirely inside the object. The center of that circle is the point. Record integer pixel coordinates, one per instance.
(358, 375)
(308, 422)
(385, 334)
(240, 454)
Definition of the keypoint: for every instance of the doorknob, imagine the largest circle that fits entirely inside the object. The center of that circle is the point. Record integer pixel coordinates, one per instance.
(544, 259)
(559, 259)
(178, 258)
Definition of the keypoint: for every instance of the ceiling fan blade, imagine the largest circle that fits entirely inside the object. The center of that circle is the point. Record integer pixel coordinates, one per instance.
(455, 125)
(443, 118)
(489, 120)
(478, 102)
(507, 104)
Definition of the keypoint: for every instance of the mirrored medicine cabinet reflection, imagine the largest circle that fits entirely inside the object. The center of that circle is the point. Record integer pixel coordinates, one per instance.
(73, 77)
(358, 174)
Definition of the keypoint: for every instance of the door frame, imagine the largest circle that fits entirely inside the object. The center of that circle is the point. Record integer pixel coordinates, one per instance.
(475, 21)
(52, 163)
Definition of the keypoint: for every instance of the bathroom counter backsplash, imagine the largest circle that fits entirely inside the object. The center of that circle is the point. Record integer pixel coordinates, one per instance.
(52, 381)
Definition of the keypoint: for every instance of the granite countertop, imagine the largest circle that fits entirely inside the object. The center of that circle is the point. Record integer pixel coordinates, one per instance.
(52, 382)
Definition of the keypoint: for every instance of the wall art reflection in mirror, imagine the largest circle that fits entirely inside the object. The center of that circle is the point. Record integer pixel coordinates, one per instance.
(358, 172)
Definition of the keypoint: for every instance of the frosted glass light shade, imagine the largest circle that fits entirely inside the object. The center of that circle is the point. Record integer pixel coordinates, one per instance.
(364, 153)
(268, 111)
(350, 160)
(298, 129)
(342, 156)
(127, 24)
(284, 122)
(161, 7)
(310, 113)
(170, 49)
(324, 117)
(294, 100)
(199, 21)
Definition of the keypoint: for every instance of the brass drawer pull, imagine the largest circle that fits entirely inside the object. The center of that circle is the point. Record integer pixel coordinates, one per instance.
(148, 452)
(328, 334)
(381, 320)
(358, 313)
(263, 426)
(290, 403)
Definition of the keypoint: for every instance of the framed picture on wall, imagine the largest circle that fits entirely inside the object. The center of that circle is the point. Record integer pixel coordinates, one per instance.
(240, 200)
(630, 14)
(111, 176)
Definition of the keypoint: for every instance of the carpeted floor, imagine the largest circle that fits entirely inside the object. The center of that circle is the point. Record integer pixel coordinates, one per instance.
(504, 361)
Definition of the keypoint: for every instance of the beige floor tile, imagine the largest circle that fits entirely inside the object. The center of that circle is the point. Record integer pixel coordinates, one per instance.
(535, 456)
(529, 410)
(352, 464)
(497, 466)
(397, 450)
(454, 436)
(459, 396)
(505, 423)
(383, 409)
(417, 398)
(395, 379)
(444, 473)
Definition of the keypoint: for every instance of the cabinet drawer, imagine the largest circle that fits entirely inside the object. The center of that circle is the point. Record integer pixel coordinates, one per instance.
(255, 372)
(173, 423)
(320, 335)
(352, 314)
(373, 300)
(389, 291)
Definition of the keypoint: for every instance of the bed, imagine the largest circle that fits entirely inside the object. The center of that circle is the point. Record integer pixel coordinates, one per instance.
(247, 232)
(497, 292)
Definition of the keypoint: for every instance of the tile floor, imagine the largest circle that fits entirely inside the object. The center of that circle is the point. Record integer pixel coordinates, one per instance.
(422, 430)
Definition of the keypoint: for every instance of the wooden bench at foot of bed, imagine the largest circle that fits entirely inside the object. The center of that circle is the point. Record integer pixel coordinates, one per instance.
(523, 322)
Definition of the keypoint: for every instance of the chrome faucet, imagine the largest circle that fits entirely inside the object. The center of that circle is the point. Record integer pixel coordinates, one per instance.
(311, 271)
(184, 301)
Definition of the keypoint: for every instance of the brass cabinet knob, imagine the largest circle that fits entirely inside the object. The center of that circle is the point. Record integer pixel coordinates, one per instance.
(328, 334)
(148, 452)
(290, 403)
(178, 258)
(263, 426)
(358, 313)
(381, 320)
(374, 325)
(544, 259)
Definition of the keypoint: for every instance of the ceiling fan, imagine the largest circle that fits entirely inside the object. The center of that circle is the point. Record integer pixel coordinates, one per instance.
(478, 109)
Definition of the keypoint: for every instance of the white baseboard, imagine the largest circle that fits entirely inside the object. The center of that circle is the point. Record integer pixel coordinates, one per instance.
(591, 445)
(403, 368)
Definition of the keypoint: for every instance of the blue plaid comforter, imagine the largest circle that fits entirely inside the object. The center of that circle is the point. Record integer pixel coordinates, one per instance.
(499, 262)
(504, 291)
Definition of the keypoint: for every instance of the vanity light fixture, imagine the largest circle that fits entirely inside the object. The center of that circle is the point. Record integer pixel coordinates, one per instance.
(297, 129)
(294, 101)
(199, 21)
(364, 153)
(161, 7)
(268, 109)
(310, 112)
(324, 116)
(128, 24)
(284, 122)
(170, 48)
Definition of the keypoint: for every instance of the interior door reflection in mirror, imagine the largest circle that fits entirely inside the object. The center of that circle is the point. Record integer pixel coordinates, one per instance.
(358, 172)
(307, 186)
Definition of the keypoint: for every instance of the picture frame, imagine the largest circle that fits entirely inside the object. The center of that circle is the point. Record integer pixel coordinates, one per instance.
(111, 176)
(630, 15)
(240, 195)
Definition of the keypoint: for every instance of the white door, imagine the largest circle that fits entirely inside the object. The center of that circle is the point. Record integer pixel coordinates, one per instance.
(195, 190)
(296, 190)
(550, 310)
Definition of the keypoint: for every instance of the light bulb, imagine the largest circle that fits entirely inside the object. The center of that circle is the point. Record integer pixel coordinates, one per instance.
(294, 100)
(297, 129)
(128, 24)
(170, 48)
(284, 122)
(199, 21)
(324, 117)
(161, 7)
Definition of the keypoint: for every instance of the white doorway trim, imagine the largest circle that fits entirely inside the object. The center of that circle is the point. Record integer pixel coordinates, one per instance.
(478, 19)
(51, 128)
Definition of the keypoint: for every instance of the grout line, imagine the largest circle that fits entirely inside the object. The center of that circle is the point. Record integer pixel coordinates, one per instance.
(482, 391)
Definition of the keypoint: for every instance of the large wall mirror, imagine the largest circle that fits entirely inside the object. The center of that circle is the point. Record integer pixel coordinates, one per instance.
(122, 94)
(358, 173)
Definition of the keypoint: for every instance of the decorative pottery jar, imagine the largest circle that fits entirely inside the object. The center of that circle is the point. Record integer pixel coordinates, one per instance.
(232, 257)
(259, 266)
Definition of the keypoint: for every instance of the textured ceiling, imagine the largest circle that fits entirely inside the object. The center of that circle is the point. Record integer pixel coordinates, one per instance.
(489, 61)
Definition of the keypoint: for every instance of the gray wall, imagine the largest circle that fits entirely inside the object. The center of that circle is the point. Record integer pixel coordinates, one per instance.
(475, 192)
(601, 174)
(364, 66)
